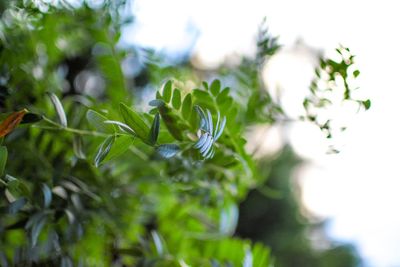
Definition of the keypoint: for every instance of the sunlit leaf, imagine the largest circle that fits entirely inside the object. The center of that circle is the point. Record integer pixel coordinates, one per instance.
(59, 109)
(202, 140)
(103, 150)
(248, 259)
(122, 126)
(221, 129)
(203, 120)
(158, 243)
(46, 195)
(209, 122)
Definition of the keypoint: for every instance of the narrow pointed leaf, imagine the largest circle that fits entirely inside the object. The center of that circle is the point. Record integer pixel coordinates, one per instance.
(248, 259)
(207, 145)
(201, 141)
(210, 122)
(47, 196)
(203, 119)
(221, 129)
(122, 126)
(168, 150)
(176, 99)
(217, 124)
(11, 122)
(59, 109)
(157, 242)
(103, 150)
(210, 153)
(134, 120)
(96, 120)
(155, 128)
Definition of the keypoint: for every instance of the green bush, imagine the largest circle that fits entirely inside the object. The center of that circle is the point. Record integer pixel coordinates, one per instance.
(91, 175)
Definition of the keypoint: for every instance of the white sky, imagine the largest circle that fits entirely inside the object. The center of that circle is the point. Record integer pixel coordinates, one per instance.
(359, 189)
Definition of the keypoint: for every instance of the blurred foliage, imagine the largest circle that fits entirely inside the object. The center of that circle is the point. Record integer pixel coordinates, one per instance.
(287, 229)
(92, 174)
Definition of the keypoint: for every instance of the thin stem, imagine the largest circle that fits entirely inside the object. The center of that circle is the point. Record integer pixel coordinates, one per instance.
(59, 127)
(138, 153)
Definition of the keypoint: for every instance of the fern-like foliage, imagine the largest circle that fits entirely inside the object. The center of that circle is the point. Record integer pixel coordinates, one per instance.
(208, 133)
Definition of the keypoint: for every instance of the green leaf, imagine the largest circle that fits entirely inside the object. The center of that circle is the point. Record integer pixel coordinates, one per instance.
(176, 99)
(168, 150)
(155, 128)
(47, 196)
(205, 85)
(366, 104)
(133, 119)
(224, 93)
(356, 73)
(103, 150)
(120, 146)
(96, 120)
(3, 159)
(215, 87)
(187, 105)
(167, 91)
(59, 109)
(171, 121)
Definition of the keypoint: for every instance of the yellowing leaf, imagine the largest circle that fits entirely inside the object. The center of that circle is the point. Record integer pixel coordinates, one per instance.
(11, 122)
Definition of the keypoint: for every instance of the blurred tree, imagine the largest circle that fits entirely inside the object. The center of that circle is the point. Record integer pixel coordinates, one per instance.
(271, 214)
